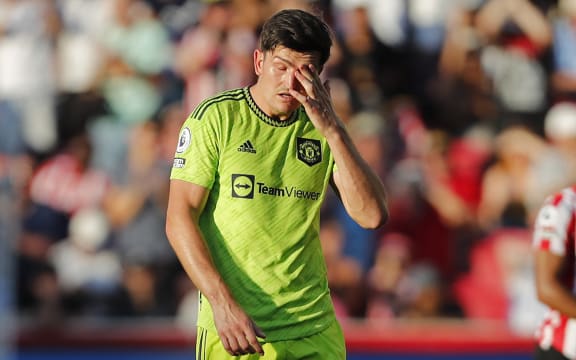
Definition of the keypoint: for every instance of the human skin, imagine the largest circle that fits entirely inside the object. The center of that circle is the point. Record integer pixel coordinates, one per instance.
(287, 79)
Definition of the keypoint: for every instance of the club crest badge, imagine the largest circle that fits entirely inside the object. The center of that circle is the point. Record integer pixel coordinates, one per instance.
(184, 140)
(309, 151)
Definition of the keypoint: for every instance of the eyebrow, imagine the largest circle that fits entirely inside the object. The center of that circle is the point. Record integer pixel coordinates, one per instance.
(276, 57)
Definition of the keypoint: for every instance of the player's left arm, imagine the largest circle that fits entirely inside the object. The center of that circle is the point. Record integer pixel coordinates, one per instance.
(359, 188)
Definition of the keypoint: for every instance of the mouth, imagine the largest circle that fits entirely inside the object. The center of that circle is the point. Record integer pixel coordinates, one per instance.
(286, 98)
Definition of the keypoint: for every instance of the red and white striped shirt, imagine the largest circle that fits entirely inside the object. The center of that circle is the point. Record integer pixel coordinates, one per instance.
(554, 231)
(64, 185)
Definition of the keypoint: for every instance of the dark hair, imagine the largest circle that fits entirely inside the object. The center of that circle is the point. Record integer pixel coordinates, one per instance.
(297, 30)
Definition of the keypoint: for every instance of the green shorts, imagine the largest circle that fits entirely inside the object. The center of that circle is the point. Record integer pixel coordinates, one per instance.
(327, 344)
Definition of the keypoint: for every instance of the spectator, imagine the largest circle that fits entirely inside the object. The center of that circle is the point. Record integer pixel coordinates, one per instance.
(555, 167)
(198, 52)
(28, 29)
(345, 274)
(447, 79)
(510, 179)
(80, 52)
(62, 185)
(517, 35)
(563, 67)
(138, 198)
(500, 269)
(89, 273)
(393, 259)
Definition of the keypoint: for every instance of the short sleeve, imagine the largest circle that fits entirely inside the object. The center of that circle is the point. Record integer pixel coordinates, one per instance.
(196, 155)
(551, 228)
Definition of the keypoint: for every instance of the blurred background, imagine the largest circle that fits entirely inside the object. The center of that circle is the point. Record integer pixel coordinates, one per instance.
(465, 108)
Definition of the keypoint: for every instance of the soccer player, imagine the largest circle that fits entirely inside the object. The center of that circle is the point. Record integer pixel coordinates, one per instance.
(554, 240)
(250, 173)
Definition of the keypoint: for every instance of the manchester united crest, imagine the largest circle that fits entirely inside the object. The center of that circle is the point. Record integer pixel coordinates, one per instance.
(309, 151)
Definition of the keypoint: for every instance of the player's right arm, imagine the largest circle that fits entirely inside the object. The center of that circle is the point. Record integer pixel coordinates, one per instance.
(553, 231)
(550, 290)
(236, 330)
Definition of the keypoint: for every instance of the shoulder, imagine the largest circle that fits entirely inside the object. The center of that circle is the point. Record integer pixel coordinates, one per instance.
(566, 195)
(561, 204)
(219, 101)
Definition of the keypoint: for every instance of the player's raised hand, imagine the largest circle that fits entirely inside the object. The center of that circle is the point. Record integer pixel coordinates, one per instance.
(315, 99)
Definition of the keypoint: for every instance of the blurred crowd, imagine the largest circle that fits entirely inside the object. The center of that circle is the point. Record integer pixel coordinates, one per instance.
(464, 107)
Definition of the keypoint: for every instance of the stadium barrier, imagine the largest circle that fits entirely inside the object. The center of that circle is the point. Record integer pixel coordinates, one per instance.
(412, 340)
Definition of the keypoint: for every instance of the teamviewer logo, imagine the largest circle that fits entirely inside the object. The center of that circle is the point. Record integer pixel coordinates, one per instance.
(243, 186)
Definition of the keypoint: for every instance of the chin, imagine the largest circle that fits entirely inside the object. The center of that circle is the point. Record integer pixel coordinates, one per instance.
(285, 108)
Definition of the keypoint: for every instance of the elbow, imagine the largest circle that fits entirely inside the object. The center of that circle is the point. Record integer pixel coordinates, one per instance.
(375, 220)
(541, 295)
(378, 221)
(169, 228)
(545, 294)
(543, 298)
(382, 216)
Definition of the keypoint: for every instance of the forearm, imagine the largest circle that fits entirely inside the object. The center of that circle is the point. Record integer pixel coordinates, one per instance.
(358, 186)
(185, 204)
(493, 16)
(550, 290)
(123, 204)
(563, 81)
(558, 298)
(533, 23)
(360, 189)
(190, 248)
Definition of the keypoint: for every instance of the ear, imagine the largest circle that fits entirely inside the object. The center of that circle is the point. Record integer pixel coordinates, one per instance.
(258, 61)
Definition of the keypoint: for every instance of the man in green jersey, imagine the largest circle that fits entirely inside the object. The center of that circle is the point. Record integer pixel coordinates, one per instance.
(249, 176)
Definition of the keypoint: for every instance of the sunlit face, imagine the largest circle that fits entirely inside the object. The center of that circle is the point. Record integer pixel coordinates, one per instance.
(276, 74)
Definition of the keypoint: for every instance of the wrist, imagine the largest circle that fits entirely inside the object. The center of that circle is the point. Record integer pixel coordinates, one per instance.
(219, 295)
(336, 131)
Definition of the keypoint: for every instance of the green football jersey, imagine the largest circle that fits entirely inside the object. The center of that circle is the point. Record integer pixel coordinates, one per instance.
(267, 181)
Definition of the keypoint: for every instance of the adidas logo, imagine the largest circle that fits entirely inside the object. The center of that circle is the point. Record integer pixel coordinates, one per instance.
(247, 147)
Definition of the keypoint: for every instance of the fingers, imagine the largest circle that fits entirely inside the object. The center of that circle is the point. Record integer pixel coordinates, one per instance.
(312, 96)
(315, 98)
(300, 97)
(308, 74)
(327, 87)
(243, 343)
(309, 81)
(243, 347)
(254, 342)
(254, 346)
(227, 345)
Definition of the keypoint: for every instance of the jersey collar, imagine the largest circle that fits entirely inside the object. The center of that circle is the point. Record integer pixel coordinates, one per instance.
(267, 119)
